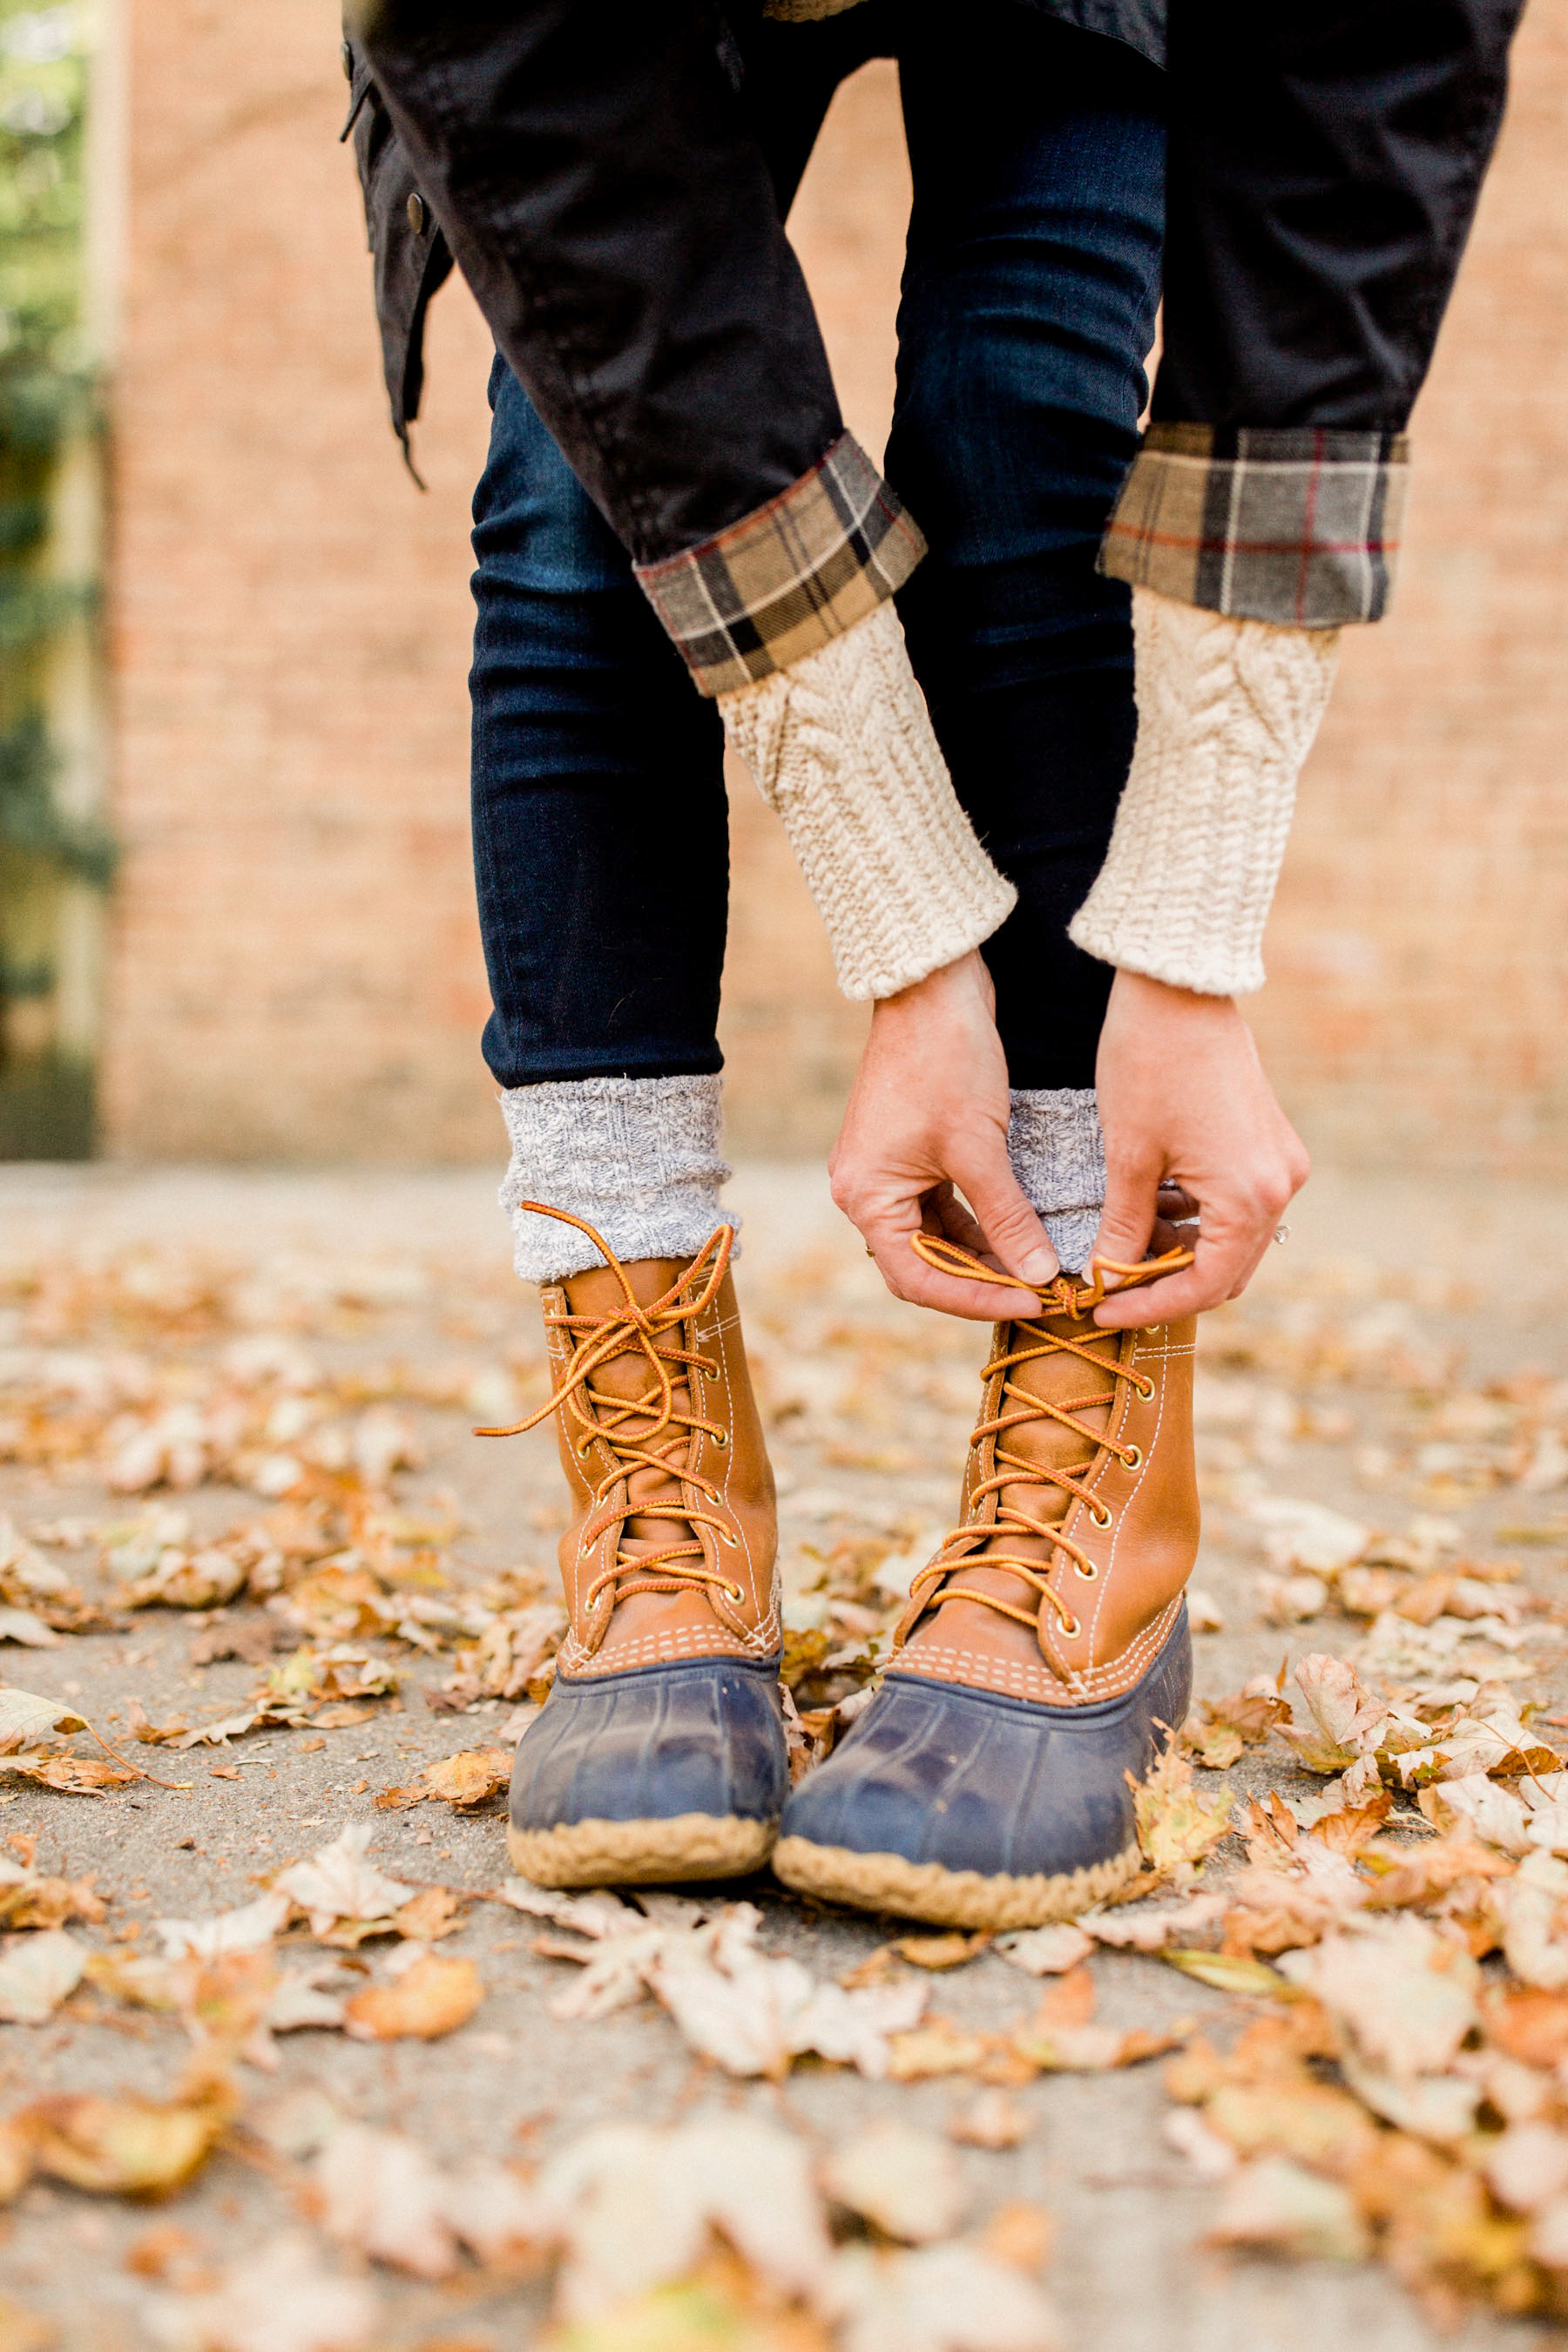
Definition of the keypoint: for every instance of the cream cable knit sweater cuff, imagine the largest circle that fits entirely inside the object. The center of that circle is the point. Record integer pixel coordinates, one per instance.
(1227, 713)
(841, 745)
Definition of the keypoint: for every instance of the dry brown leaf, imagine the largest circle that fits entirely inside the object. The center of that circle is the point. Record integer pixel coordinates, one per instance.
(994, 2120)
(1347, 1721)
(434, 1912)
(1176, 1827)
(23, 1717)
(1529, 2025)
(339, 1883)
(940, 1952)
(37, 1972)
(277, 2299)
(29, 1901)
(1152, 1927)
(1044, 1951)
(1280, 2207)
(1313, 2123)
(74, 1776)
(379, 2192)
(434, 1997)
(471, 1778)
(937, 2047)
(1405, 1995)
(901, 2178)
(120, 2146)
(945, 2298)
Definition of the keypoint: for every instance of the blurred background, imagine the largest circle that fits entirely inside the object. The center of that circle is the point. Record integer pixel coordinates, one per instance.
(236, 907)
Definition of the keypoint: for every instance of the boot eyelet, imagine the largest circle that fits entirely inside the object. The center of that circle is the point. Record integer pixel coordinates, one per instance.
(720, 1439)
(734, 1541)
(1088, 1574)
(1146, 1389)
(585, 1448)
(1071, 1629)
(1100, 1516)
(733, 1592)
(1132, 1456)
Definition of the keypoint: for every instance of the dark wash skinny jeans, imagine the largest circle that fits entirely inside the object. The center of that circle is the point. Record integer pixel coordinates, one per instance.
(601, 838)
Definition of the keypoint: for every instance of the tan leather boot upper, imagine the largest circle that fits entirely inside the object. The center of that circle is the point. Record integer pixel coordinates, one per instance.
(670, 1552)
(1081, 1512)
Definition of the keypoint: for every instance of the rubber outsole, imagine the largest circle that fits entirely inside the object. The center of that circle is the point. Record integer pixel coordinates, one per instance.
(640, 1853)
(947, 1898)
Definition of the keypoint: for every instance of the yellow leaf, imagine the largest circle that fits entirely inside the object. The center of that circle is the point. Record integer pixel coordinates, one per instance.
(470, 1778)
(432, 1997)
(124, 2146)
(1175, 1825)
(935, 2048)
(936, 1952)
(1229, 1973)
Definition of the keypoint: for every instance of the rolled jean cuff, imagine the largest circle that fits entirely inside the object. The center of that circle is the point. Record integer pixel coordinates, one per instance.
(1057, 1150)
(638, 1158)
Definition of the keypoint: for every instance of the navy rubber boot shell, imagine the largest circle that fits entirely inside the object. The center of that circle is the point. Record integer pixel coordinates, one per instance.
(973, 1810)
(663, 1771)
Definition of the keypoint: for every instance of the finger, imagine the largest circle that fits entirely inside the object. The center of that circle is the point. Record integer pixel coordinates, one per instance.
(1127, 1220)
(1013, 1234)
(948, 1213)
(908, 1277)
(1216, 1264)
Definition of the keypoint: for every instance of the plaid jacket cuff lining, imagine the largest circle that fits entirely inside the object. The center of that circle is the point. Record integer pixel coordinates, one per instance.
(1299, 527)
(789, 577)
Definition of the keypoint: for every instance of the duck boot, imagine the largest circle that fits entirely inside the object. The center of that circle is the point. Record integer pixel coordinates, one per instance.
(660, 1753)
(1044, 1658)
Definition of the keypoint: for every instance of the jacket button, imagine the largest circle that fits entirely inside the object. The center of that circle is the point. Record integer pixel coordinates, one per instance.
(416, 212)
(347, 55)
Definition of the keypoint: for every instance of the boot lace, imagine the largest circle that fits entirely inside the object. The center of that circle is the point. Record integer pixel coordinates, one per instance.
(665, 1441)
(1033, 1343)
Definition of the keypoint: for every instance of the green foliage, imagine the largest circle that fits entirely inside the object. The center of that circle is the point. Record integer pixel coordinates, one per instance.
(31, 819)
(49, 398)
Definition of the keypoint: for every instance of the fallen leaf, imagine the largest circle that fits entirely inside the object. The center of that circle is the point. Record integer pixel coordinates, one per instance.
(339, 1883)
(1176, 1827)
(471, 1778)
(936, 2048)
(23, 1717)
(1406, 1996)
(28, 1628)
(433, 1913)
(1347, 1721)
(37, 1972)
(120, 2145)
(1151, 1926)
(993, 2120)
(1279, 2206)
(378, 2192)
(74, 1776)
(246, 1929)
(634, 2209)
(277, 2299)
(952, 2298)
(901, 2178)
(29, 1901)
(1230, 1972)
(940, 1952)
(432, 1997)
(1044, 1951)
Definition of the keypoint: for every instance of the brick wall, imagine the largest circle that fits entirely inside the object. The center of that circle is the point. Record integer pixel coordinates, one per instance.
(294, 972)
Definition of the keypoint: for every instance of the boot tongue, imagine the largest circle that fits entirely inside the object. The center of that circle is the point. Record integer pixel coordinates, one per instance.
(631, 1375)
(1073, 1385)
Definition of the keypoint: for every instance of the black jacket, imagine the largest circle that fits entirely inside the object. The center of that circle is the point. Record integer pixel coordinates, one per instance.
(604, 178)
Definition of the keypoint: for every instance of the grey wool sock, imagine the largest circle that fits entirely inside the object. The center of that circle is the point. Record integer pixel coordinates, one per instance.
(636, 1158)
(1058, 1151)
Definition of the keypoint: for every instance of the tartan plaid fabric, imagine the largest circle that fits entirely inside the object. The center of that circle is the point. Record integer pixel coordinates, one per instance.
(789, 576)
(1299, 527)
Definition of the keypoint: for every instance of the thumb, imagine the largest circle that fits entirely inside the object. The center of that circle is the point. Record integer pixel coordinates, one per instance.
(1127, 1220)
(1013, 1234)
